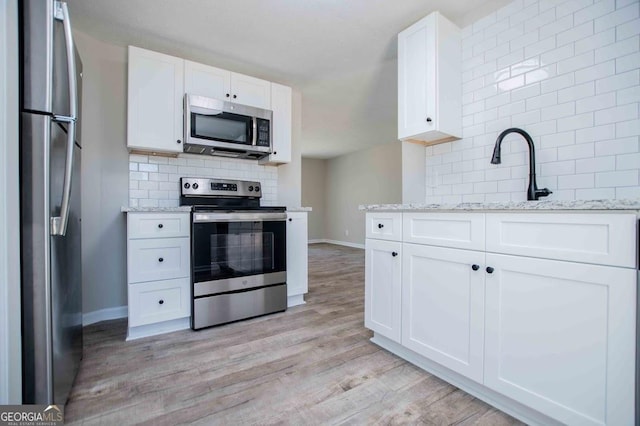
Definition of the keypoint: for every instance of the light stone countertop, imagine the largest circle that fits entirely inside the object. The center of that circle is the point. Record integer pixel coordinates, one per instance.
(612, 204)
(299, 209)
(178, 209)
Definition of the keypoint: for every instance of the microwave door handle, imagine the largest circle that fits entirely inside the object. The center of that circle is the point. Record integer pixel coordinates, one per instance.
(254, 128)
(59, 223)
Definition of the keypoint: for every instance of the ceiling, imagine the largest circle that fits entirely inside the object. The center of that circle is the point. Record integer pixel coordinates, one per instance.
(341, 55)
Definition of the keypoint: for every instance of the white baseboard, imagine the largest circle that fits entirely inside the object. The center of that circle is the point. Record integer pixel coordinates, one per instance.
(339, 243)
(296, 300)
(158, 328)
(105, 315)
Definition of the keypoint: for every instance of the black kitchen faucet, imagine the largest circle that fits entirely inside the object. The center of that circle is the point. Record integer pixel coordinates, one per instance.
(533, 193)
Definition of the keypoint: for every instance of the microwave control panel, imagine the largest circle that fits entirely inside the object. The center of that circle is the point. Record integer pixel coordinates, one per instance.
(264, 130)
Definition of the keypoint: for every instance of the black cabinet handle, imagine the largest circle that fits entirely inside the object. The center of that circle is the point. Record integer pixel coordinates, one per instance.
(475, 267)
(160, 226)
(179, 141)
(227, 95)
(429, 120)
(161, 259)
(394, 254)
(275, 152)
(489, 270)
(380, 226)
(290, 220)
(160, 302)
(235, 96)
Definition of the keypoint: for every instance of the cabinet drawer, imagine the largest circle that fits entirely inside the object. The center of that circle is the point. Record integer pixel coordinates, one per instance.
(159, 301)
(384, 226)
(158, 259)
(155, 225)
(455, 230)
(605, 239)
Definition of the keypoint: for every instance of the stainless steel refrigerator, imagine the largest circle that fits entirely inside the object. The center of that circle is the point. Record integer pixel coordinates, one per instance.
(50, 152)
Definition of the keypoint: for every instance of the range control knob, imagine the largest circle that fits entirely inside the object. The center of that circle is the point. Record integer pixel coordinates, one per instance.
(187, 185)
(250, 187)
(257, 189)
(195, 185)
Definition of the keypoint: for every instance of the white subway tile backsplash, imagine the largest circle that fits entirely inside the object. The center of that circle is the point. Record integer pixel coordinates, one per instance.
(618, 49)
(620, 16)
(617, 178)
(614, 115)
(600, 8)
(568, 7)
(628, 128)
(628, 29)
(566, 71)
(155, 183)
(595, 41)
(594, 103)
(596, 164)
(617, 146)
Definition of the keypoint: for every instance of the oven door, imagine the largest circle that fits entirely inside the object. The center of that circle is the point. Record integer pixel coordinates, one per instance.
(237, 251)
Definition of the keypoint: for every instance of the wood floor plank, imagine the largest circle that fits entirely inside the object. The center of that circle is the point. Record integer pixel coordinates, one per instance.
(311, 365)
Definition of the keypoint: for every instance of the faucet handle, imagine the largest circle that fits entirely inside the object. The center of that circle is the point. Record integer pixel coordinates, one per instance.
(544, 192)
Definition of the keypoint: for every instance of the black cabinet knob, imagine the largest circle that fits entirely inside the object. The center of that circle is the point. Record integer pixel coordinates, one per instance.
(394, 254)
(161, 259)
(290, 220)
(235, 96)
(160, 302)
(275, 152)
(178, 141)
(475, 267)
(160, 226)
(489, 270)
(429, 120)
(380, 226)
(227, 95)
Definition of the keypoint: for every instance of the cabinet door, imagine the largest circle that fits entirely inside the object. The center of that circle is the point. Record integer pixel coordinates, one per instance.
(297, 254)
(250, 91)
(560, 338)
(203, 80)
(154, 114)
(281, 124)
(443, 306)
(416, 78)
(382, 287)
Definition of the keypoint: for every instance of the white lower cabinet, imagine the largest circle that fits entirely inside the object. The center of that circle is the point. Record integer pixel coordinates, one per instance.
(560, 338)
(297, 258)
(383, 278)
(548, 341)
(443, 306)
(158, 273)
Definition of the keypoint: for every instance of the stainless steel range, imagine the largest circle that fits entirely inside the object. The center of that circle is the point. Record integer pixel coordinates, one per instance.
(238, 251)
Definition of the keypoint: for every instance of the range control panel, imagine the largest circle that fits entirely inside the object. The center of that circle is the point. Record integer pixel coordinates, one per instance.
(206, 187)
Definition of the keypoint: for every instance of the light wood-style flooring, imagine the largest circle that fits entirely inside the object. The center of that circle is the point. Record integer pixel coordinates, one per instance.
(313, 364)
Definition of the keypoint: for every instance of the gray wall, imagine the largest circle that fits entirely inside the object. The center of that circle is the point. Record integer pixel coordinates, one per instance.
(314, 175)
(105, 173)
(370, 176)
(290, 175)
(10, 354)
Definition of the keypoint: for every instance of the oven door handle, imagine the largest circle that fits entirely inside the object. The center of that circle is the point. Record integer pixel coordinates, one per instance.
(238, 217)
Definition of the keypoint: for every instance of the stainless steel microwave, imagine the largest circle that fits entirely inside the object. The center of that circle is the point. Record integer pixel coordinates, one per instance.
(216, 127)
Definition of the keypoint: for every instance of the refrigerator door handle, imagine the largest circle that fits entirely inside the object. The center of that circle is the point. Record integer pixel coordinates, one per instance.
(59, 223)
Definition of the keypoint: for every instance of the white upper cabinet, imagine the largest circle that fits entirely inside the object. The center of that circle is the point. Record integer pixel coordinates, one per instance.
(429, 81)
(281, 97)
(250, 91)
(212, 82)
(204, 80)
(154, 114)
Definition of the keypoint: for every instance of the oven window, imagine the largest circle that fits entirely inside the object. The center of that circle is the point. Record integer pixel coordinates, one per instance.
(226, 127)
(236, 249)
